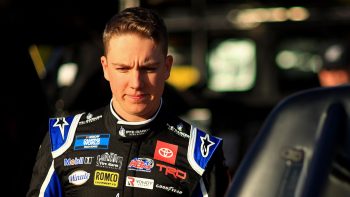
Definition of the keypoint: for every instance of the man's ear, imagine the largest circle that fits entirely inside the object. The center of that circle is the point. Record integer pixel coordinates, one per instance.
(168, 65)
(105, 67)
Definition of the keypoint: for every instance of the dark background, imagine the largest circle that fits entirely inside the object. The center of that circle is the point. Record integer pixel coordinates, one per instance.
(76, 26)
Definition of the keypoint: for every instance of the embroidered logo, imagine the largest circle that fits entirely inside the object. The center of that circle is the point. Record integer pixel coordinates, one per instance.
(109, 160)
(90, 118)
(92, 141)
(178, 130)
(106, 178)
(78, 177)
(168, 170)
(77, 161)
(122, 132)
(169, 188)
(141, 164)
(61, 123)
(139, 182)
(205, 145)
(165, 152)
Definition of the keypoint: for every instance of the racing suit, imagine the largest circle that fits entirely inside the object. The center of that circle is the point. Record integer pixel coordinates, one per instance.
(100, 154)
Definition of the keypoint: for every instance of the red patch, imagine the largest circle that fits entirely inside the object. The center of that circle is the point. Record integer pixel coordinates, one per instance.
(165, 152)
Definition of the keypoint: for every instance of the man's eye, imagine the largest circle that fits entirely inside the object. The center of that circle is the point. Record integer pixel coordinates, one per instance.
(150, 69)
(122, 69)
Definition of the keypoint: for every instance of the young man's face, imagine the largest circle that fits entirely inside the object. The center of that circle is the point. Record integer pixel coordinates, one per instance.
(136, 69)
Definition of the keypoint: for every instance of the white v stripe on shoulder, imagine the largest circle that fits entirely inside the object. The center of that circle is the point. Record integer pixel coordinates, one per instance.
(70, 137)
(190, 152)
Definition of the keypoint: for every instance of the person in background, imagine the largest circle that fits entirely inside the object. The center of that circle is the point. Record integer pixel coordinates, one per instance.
(134, 146)
(335, 69)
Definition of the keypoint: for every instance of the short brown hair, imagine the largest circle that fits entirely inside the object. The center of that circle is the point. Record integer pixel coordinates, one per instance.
(138, 20)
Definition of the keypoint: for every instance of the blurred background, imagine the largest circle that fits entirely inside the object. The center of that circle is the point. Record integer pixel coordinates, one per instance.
(234, 61)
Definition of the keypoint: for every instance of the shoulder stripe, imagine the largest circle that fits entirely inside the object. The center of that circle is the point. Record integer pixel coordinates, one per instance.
(46, 181)
(203, 189)
(201, 148)
(51, 185)
(200, 190)
(62, 132)
(190, 152)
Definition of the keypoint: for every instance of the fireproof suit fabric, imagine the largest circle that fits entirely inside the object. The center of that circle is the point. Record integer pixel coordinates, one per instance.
(99, 154)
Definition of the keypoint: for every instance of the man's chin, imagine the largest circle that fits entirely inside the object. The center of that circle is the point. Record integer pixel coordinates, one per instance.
(138, 109)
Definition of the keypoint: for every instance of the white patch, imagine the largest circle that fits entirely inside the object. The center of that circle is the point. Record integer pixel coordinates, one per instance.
(139, 182)
(79, 177)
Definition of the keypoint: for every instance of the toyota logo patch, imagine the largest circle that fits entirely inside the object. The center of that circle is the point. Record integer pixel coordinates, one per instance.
(165, 152)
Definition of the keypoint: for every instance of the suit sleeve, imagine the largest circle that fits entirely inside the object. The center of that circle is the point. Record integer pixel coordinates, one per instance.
(217, 177)
(205, 155)
(43, 181)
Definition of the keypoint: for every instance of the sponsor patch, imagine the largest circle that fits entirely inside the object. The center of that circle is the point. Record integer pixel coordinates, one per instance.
(91, 141)
(109, 160)
(141, 164)
(171, 171)
(122, 132)
(90, 119)
(178, 130)
(165, 152)
(139, 182)
(169, 188)
(106, 178)
(131, 133)
(79, 177)
(77, 161)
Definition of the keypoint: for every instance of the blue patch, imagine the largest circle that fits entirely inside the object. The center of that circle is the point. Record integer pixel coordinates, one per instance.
(205, 146)
(59, 128)
(91, 141)
(54, 187)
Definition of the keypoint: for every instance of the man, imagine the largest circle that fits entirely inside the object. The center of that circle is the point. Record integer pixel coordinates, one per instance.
(134, 146)
(335, 64)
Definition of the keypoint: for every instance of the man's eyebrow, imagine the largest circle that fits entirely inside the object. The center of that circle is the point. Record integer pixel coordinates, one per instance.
(150, 63)
(147, 63)
(120, 64)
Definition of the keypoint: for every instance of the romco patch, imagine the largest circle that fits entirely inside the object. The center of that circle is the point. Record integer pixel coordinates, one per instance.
(106, 178)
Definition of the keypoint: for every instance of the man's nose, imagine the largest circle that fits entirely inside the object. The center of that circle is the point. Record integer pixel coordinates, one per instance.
(136, 79)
